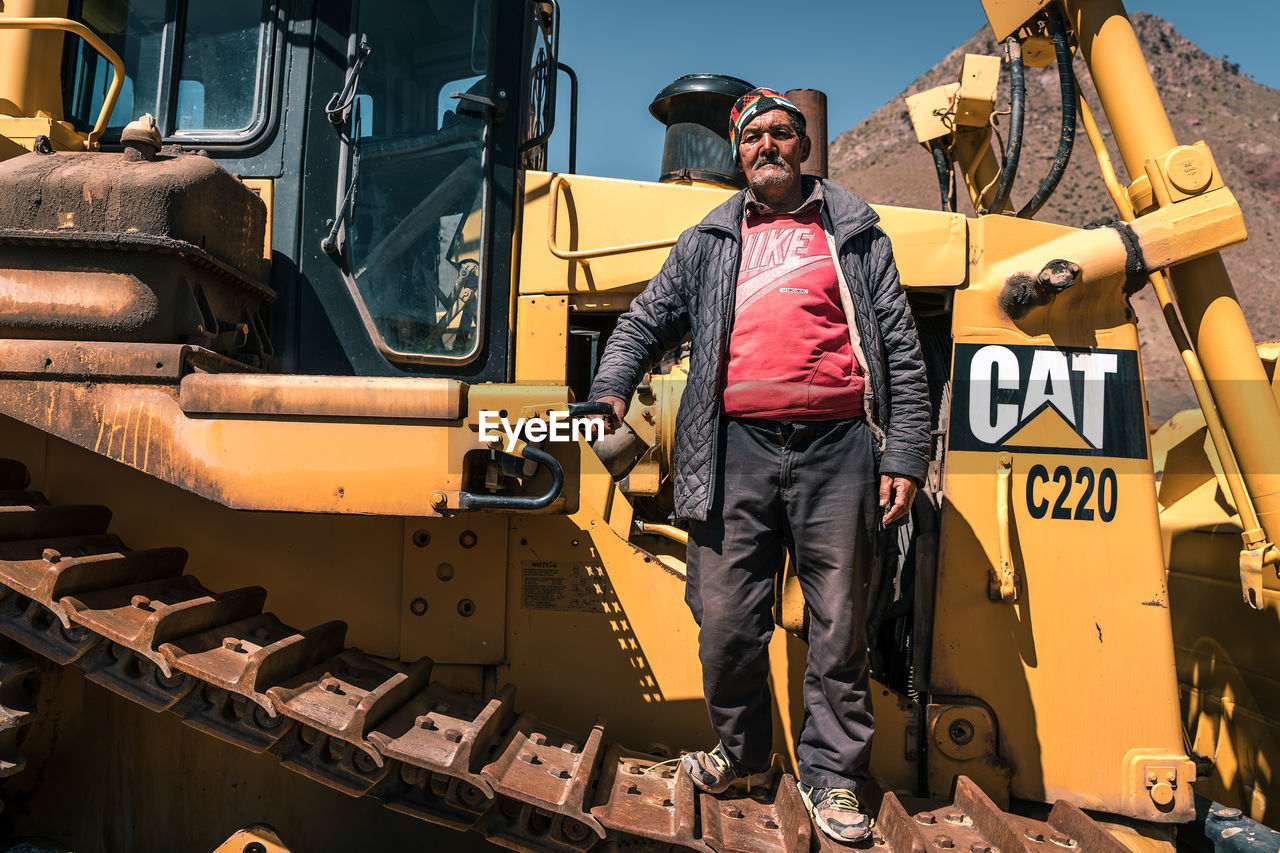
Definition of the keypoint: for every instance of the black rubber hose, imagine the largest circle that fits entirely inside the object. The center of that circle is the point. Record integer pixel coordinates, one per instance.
(1067, 82)
(1017, 113)
(943, 165)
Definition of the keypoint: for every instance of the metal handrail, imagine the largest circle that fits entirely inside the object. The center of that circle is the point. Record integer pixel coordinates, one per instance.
(583, 256)
(77, 28)
(473, 500)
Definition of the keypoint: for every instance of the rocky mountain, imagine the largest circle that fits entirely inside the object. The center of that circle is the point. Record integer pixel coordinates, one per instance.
(1207, 98)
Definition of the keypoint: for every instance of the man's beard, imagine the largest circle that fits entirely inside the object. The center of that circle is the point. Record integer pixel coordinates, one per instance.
(777, 178)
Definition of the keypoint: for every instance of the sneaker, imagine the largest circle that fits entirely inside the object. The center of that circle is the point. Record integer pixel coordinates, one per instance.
(837, 812)
(714, 772)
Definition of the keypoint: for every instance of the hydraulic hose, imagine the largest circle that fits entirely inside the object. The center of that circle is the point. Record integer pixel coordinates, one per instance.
(1017, 113)
(1067, 82)
(945, 178)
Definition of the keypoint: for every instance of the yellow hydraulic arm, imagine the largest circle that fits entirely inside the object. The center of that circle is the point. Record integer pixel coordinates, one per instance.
(1216, 329)
(1174, 222)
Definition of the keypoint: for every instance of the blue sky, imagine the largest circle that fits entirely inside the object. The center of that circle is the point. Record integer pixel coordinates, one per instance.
(861, 53)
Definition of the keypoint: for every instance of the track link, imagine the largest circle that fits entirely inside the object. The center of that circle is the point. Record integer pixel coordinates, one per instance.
(138, 625)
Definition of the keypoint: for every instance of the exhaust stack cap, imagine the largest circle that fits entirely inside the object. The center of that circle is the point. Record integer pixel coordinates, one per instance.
(695, 109)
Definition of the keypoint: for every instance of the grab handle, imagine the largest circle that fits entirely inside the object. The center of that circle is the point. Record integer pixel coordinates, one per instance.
(1003, 587)
(585, 255)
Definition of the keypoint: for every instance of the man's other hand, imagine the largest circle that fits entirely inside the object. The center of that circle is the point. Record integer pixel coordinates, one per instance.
(896, 495)
(619, 407)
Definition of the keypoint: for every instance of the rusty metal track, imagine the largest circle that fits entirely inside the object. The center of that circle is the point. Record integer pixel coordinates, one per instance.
(143, 628)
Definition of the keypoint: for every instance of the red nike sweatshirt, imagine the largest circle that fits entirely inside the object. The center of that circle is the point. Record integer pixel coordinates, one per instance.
(790, 357)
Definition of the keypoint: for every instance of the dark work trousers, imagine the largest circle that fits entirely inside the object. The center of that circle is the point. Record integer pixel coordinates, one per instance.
(810, 486)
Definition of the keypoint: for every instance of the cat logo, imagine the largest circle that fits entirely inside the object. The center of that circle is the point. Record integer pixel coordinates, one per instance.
(1085, 402)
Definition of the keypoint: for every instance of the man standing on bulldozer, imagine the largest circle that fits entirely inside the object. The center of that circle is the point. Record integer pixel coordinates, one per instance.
(804, 426)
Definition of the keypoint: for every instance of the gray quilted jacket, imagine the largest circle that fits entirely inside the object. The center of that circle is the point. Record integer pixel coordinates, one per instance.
(693, 295)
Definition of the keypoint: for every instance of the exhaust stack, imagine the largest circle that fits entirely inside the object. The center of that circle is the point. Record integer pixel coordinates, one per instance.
(813, 103)
(695, 109)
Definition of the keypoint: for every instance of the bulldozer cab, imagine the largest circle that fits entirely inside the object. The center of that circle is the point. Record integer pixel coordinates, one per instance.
(386, 140)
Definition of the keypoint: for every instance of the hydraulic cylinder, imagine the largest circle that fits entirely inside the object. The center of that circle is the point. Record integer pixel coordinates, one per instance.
(1201, 288)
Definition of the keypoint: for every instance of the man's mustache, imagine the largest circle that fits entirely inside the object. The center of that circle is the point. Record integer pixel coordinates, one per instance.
(770, 158)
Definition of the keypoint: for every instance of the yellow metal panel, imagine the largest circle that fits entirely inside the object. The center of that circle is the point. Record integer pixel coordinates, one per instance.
(453, 605)
(650, 598)
(595, 213)
(1008, 16)
(1052, 674)
(979, 82)
(542, 339)
(1229, 679)
(265, 189)
(1038, 52)
(325, 396)
(930, 247)
(284, 462)
(18, 135)
(931, 112)
(30, 78)
(595, 625)
(305, 561)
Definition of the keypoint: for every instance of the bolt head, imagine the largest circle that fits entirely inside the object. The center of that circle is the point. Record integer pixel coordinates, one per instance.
(960, 732)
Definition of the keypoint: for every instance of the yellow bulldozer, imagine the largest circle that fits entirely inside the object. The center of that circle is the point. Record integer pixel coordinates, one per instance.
(281, 280)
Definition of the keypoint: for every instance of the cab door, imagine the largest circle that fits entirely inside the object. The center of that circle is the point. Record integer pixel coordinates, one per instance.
(410, 172)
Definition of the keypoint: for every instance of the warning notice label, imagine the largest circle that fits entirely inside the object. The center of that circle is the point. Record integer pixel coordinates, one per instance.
(562, 585)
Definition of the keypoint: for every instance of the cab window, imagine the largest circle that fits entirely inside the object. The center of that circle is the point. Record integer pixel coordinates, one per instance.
(200, 68)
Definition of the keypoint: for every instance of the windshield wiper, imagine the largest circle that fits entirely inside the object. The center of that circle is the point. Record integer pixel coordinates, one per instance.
(339, 106)
(344, 105)
(330, 243)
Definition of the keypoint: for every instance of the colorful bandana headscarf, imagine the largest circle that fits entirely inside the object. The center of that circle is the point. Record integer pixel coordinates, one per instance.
(749, 106)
